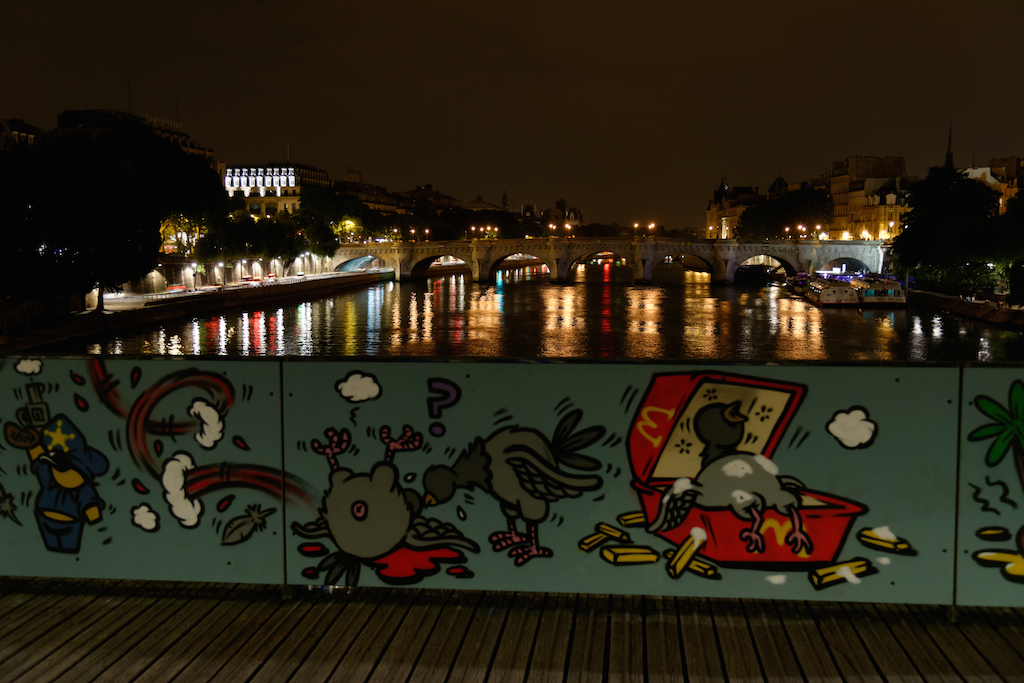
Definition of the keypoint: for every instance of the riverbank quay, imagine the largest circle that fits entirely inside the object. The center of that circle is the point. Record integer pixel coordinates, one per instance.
(989, 311)
(126, 311)
(98, 630)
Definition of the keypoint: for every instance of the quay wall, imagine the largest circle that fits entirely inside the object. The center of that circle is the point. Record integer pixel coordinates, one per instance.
(874, 483)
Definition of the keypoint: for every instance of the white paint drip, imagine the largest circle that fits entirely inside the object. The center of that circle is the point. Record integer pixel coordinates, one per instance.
(885, 533)
(776, 579)
(679, 487)
(767, 465)
(883, 560)
(848, 574)
(698, 535)
(737, 469)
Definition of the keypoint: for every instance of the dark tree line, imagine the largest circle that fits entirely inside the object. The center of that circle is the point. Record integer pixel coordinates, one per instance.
(82, 210)
(955, 240)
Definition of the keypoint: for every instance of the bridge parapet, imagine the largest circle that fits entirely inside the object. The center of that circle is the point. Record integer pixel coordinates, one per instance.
(484, 256)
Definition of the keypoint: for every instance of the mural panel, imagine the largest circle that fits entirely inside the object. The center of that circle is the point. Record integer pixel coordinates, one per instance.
(779, 482)
(990, 570)
(143, 470)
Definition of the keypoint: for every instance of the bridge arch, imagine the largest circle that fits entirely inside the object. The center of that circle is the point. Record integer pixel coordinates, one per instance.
(606, 264)
(518, 260)
(428, 267)
(845, 264)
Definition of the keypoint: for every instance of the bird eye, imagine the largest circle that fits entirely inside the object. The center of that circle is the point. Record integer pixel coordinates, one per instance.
(359, 510)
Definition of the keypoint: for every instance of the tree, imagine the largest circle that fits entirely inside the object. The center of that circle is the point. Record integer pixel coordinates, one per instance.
(64, 242)
(950, 222)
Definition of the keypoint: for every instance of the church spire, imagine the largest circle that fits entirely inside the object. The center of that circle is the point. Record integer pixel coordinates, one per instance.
(949, 148)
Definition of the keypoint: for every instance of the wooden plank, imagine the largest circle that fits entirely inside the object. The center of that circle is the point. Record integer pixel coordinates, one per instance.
(148, 651)
(41, 648)
(1006, 622)
(72, 651)
(474, 659)
(353, 616)
(700, 645)
(589, 636)
(852, 660)
(446, 639)
(116, 646)
(512, 658)
(926, 656)
(10, 604)
(626, 644)
(890, 658)
(957, 649)
(183, 650)
(812, 655)
(738, 653)
(283, 663)
(209, 660)
(983, 632)
(661, 633)
(775, 652)
(361, 659)
(404, 651)
(553, 636)
(69, 611)
(264, 641)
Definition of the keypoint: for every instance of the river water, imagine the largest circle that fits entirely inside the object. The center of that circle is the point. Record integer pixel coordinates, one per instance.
(524, 316)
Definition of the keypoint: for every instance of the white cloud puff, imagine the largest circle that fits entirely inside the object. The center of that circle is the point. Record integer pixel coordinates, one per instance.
(144, 518)
(212, 429)
(29, 366)
(853, 429)
(184, 509)
(357, 387)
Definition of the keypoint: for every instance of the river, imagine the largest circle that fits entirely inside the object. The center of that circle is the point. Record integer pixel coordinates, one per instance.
(524, 316)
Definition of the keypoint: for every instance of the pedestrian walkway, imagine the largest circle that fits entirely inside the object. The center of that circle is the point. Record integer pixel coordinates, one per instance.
(78, 630)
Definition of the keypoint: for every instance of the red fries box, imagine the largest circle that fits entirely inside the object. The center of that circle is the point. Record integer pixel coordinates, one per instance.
(663, 447)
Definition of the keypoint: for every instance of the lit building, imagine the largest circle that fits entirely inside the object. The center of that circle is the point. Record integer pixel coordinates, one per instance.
(270, 189)
(562, 216)
(846, 176)
(725, 208)
(876, 209)
(1004, 175)
(17, 132)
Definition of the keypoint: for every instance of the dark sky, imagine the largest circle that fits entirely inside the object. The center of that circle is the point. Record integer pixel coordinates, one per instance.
(631, 111)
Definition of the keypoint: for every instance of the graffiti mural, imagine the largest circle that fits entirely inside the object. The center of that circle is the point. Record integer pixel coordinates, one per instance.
(785, 482)
(992, 490)
(143, 470)
(789, 482)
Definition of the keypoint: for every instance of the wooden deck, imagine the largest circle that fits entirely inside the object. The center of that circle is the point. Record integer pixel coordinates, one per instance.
(71, 630)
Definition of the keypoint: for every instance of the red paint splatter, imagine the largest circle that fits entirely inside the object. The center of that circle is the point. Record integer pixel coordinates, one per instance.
(240, 443)
(136, 376)
(311, 572)
(158, 446)
(459, 572)
(139, 486)
(77, 379)
(224, 503)
(408, 565)
(313, 549)
(81, 403)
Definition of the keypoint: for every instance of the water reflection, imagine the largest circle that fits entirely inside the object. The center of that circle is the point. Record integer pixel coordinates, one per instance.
(523, 316)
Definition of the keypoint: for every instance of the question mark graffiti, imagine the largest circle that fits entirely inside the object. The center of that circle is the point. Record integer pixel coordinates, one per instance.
(450, 394)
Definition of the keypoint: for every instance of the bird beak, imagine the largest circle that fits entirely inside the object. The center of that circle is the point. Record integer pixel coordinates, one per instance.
(732, 413)
(429, 500)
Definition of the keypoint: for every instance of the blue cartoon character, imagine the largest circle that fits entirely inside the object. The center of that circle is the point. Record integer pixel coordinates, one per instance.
(66, 469)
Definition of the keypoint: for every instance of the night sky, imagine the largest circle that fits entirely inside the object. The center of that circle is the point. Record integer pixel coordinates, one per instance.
(631, 111)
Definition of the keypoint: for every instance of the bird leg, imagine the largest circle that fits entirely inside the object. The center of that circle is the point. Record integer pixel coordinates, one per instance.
(503, 539)
(524, 552)
(797, 538)
(753, 537)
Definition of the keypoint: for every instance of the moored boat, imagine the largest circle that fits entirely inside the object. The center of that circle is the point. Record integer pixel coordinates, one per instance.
(879, 292)
(831, 293)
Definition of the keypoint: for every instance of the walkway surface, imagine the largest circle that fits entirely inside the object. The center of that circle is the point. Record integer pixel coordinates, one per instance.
(77, 630)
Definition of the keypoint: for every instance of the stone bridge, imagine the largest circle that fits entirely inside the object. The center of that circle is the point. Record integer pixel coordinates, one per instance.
(485, 257)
